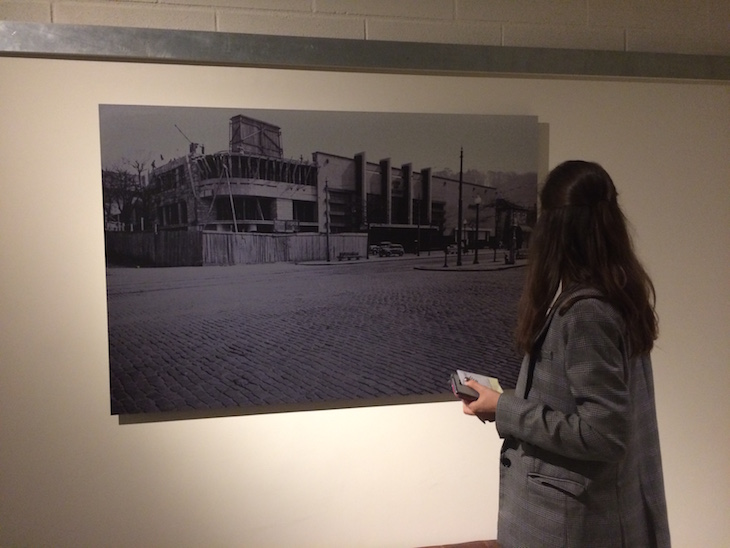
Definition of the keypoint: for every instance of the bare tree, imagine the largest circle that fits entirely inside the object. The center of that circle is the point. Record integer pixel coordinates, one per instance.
(125, 196)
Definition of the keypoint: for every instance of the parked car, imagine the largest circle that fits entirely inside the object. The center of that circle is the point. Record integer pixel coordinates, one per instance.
(392, 250)
(374, 249)
(452, 249)
(397, 250)
(383, 248)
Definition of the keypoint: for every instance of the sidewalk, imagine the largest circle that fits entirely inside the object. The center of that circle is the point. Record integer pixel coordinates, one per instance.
(467, 264)
(436, 262)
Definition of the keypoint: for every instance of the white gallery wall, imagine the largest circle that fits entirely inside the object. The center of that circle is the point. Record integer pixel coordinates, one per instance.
(410, 475)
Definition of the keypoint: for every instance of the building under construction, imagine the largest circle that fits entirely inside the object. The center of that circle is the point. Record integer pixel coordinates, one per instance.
(252, 187)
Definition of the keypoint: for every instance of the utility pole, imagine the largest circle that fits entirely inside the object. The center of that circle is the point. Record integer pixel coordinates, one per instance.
(461, 211)
(477, 203)
(418, 229)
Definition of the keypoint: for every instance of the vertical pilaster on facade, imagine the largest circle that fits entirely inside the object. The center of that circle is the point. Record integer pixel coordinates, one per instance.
(192, 198)
(322, 205)
(386, 182)
(361, 189)
(426, 194)
(407, 174)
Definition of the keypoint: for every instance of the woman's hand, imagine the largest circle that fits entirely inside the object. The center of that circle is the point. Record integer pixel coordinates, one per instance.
(484, 407)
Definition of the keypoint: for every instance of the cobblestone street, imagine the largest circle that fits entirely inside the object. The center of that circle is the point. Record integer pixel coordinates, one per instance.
(205, 338)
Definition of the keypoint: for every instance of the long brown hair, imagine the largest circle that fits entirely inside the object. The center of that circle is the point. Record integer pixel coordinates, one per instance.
(581, 237)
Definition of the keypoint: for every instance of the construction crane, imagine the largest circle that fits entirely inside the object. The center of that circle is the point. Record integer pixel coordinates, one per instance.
(193, 146)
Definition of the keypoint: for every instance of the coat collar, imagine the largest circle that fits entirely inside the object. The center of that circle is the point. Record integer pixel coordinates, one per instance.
(562, 304)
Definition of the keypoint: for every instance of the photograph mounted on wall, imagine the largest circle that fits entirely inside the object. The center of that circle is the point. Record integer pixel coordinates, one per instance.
(277, 260)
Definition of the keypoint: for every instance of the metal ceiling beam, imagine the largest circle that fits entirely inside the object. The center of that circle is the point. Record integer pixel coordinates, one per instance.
(293, 52)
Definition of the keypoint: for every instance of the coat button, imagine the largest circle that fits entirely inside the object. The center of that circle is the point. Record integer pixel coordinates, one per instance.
(506, 462)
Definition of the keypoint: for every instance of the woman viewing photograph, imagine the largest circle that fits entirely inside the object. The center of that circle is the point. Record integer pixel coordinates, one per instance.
(580, 464)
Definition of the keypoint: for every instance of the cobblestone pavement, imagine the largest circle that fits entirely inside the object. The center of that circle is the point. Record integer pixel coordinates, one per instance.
(205, 338)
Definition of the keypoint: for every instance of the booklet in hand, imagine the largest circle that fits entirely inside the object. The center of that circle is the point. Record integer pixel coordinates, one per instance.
(460, 390)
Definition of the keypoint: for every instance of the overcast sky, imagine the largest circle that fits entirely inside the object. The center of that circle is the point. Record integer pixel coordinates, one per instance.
(497, 143)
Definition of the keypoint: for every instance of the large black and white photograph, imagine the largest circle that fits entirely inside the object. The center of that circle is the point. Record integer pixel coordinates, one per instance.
(272, 260)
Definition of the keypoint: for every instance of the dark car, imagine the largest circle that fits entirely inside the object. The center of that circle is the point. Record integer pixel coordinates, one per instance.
(391, 250)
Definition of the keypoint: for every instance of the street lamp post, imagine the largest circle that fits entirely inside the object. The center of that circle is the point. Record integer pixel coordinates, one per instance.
(513, 240)
(327, 218)
(418, 229)
(477, 203)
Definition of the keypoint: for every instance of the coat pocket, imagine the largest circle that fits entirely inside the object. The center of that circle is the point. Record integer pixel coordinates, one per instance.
(560, 485)
(558, 510)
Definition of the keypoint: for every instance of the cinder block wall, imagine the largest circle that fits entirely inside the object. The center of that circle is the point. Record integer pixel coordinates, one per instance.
(667, 26)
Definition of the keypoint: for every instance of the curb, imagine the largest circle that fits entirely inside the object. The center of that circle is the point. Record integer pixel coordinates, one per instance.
(468, 268)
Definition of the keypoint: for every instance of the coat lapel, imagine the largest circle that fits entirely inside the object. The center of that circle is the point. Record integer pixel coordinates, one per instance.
(561, 305)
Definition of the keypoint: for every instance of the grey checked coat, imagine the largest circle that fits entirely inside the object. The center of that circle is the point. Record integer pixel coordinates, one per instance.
(580, 464)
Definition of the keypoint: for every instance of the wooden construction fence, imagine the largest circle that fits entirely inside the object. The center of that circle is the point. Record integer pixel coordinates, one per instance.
(169, 248)
(221, 248)
(175, 248)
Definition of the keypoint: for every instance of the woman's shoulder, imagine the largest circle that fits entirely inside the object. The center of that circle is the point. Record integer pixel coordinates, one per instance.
(587, 303)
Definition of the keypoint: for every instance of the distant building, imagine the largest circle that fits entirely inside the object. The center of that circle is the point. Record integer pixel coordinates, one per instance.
(513, 227)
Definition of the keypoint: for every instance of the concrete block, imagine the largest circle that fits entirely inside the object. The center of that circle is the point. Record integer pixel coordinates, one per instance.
(661, 14)
(412, 9)
(546, 12)
(488, 34)
(136, 15)
(25, 11)
(277, 6)
(289, 24)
